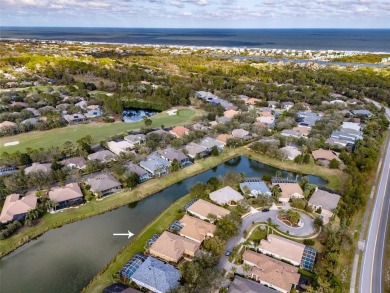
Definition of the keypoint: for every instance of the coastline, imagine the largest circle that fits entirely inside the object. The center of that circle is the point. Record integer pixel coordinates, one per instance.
(150, 187)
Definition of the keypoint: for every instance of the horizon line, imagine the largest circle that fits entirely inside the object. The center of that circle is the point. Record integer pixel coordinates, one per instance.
(235, 28)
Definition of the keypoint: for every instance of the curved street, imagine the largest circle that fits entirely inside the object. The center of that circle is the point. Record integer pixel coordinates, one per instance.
(258, 216)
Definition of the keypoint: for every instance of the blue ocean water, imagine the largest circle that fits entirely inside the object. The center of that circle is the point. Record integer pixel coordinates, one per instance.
(372, 40)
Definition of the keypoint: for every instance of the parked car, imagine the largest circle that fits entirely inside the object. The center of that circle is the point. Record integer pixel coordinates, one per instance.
(265, 210)
(228, 252)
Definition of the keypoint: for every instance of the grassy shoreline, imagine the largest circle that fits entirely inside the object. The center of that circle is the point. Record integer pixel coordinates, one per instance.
(93, 208)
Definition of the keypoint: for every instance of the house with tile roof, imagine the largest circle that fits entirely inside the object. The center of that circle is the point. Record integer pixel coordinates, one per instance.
(171, 247)
(241, 133)
(202, 209)
(282, 248)
(118, 147)
(16, 208)
(226, 195)
(74, 118)
(179, 131)
(325, 155)
(196, 229)
(103, 156)
(271, 272)
(289, 190)
(325, 200)
(66, 196)
(156, 276)
(230, 113)
(242, 285)
(38, 167)
(135, 139)
(143, 175)
(103, 184)
(7, 124)
(223, 138)
(75, 163)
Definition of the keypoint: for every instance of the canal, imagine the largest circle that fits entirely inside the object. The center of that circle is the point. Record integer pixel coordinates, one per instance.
(67, 258)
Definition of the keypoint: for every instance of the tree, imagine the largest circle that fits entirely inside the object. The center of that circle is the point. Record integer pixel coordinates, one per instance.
(214, 151)
(132, 180)
(175, 166)
(318, 223)
(334, 164)
(147, 122)
(31, 216)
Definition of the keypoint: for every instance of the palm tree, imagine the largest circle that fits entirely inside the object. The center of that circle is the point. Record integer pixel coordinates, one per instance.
(31, 216)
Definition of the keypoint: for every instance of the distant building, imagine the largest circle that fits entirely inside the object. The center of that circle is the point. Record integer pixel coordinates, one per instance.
(74, 118)
(103, 156)
(75, 162)
(38, 167)
(118, 147)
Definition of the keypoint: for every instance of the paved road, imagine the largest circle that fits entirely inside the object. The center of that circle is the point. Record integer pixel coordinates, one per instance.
(372, 263)
(256, 217)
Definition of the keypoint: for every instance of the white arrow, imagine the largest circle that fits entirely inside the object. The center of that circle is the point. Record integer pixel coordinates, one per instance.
(129, 234)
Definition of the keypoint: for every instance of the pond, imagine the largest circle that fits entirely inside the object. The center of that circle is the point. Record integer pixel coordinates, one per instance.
(67, 258)
(133, 114)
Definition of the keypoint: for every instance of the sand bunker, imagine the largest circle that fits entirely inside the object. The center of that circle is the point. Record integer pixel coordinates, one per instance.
(11, 143)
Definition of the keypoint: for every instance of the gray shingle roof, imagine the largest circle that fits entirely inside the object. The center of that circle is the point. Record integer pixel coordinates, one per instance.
(328, 201)
(156, 275)
(241, 285)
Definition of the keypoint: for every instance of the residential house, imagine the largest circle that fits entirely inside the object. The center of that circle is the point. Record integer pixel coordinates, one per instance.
(118, 147)
(171, 247)
(103, 184)
(223, 138)
(266, 118)
(214, 100)
(223, 119)
(94, 113)
(230, 113)
(179, 131)
(353, 101)
(196, 229)
(31, 121)
(364, 113)
(66, 196)
(271, 272)
(156, 165)
(33, 111)
(135, 139)
(16, 208)
(156, 276)
(272, 104)
(119, 288)
(282, 248)
(242, 285)
(199, 126)
(74, 163)
(288, 190)
(324, 200)
(351, 125)
(255, 187)
(38, 167)
(74, 118)
(203, 209)
(308, 118)
(195, 150)
(143, 175)
(291, 133)
(241, 133)
(290, 152)
(7, 125)
(82, 104)
(287, 105)
(325, 156)
(226, 195)
(170, 154)
(303, 130)
(209, 143)
(103, 156)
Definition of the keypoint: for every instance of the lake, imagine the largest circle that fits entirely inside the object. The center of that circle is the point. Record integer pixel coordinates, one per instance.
(67, 258)
(133, 114)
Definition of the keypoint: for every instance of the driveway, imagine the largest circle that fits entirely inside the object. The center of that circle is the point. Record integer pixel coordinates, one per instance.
(255, 217)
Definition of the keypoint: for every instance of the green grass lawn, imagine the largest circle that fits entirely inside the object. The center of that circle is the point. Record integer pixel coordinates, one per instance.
(161, 223)
(98, 131)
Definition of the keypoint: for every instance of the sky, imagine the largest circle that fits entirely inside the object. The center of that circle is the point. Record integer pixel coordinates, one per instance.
(197, 13)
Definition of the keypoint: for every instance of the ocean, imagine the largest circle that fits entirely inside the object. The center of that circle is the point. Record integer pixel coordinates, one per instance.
(371, 40)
